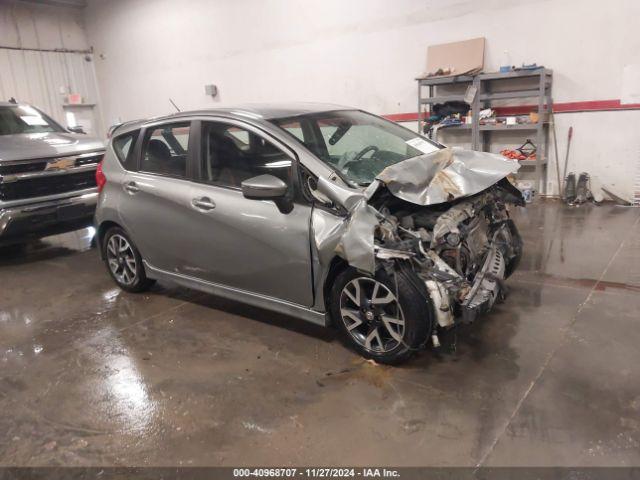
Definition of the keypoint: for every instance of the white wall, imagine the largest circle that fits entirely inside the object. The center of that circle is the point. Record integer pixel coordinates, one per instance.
(366, 53)
(29, 25)
(43, 78)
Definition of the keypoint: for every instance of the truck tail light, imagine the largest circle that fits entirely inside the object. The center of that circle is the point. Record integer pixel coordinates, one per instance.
(101, 180)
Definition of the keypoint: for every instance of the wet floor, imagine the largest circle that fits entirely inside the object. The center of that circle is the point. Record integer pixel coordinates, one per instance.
(90, 375)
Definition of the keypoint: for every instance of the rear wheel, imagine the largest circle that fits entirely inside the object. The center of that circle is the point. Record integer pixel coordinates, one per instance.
(382, 319)
(124, 261)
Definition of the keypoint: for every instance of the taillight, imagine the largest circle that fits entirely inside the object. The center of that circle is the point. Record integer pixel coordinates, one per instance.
(101, 180)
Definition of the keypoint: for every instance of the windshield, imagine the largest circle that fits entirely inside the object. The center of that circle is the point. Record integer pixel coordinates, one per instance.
(25, 119)
(357, 144)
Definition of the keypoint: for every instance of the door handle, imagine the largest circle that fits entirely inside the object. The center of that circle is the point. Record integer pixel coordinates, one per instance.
(203, 203)
(131, 187)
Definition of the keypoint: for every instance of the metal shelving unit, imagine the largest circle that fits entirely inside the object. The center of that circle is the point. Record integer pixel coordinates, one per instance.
(491, 87)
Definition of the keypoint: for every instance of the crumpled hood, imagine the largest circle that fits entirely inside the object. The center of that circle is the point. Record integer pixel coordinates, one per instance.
(443, 176)
(429, 179)
(48, 144)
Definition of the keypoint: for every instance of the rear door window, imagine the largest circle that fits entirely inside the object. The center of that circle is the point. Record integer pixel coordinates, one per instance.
(165, 150)
(124, 145)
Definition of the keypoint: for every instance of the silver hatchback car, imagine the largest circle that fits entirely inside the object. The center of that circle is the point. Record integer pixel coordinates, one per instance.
(326, 213)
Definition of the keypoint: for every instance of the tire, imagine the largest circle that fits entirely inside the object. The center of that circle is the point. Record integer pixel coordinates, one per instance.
(123, 261)
(394, 342)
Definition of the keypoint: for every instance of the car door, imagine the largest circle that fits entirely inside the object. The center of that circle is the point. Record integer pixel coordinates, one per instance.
(156, 205)
(259, 246)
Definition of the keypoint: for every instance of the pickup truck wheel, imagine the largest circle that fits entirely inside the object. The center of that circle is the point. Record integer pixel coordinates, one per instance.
(383, 320)
(124, 261)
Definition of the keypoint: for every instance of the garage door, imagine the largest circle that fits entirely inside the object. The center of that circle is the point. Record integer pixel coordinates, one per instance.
(44, 78)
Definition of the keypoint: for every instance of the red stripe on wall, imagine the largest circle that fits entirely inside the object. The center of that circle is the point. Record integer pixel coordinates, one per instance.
(565, 107)
(402, 117)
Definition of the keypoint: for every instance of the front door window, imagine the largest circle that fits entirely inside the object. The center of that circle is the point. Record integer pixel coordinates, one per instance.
(232, 154)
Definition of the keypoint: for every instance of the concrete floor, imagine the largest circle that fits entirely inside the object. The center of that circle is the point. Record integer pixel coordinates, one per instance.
(90, 375)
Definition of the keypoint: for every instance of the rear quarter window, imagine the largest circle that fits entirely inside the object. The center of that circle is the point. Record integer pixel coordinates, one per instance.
(124, 146)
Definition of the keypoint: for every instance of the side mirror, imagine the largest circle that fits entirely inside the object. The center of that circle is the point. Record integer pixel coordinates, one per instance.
(264, 187)
(76, 129)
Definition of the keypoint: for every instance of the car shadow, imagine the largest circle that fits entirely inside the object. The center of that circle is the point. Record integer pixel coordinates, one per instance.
(464, 341)
(250, 312)
(30, 253)
(37, 251)
(49, 248)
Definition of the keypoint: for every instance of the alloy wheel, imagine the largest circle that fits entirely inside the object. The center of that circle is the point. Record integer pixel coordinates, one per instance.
(121, 260)
(372, 315)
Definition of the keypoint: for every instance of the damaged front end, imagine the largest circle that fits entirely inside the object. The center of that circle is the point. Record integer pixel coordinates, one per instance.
(442, 221)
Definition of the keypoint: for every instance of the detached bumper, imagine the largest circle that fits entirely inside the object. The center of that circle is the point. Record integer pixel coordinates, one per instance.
(487, 286)
(35, 220)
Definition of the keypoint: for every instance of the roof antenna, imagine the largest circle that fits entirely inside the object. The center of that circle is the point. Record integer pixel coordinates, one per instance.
(174, 105)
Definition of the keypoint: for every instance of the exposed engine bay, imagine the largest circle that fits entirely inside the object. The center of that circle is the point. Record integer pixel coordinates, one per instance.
(462, 252)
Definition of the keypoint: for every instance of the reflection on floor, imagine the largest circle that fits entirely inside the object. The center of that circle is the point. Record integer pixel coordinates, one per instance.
(90, 375)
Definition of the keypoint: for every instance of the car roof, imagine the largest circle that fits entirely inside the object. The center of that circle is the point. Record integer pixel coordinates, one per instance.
(269, 111)
(257, 111)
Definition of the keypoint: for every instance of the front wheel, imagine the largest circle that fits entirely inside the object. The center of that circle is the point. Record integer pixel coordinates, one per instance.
(124, 261)
(385, 319)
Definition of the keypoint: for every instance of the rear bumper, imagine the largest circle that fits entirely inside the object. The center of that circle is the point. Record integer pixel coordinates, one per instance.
(34, 220)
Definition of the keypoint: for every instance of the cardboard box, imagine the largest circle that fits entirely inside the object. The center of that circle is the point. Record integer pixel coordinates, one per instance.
(458, 58)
